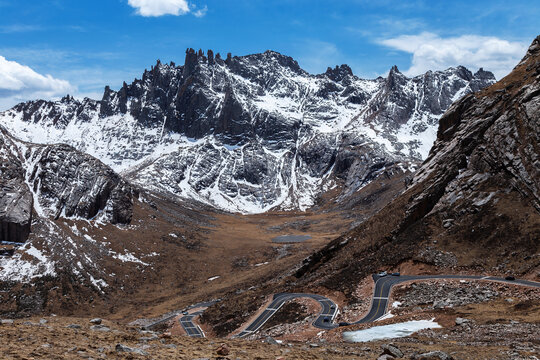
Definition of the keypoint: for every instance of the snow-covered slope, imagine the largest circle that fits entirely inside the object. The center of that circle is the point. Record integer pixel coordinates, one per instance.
(252, 133)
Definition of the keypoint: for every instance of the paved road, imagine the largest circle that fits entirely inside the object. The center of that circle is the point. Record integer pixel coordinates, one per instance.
(189, 327)
(381, 293)
(186, 321)
(383, 286)
(324, 320)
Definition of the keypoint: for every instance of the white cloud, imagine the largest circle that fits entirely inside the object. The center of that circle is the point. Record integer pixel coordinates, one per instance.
(431, 52)
(201, 12)
(21, 83)
(160, 7)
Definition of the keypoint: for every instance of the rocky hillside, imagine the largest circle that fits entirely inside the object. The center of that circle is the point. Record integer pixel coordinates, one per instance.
(473, 204)
(252, 133)
(41, 188)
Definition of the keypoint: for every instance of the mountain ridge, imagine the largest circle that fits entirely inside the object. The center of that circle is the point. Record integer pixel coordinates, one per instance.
(252, 133)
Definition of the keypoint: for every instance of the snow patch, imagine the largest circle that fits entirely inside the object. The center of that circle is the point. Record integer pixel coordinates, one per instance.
(16, 268)
(127, 257)
(391, 331)
(388, 315)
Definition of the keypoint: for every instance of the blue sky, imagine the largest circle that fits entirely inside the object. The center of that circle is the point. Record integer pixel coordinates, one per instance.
(51, 47)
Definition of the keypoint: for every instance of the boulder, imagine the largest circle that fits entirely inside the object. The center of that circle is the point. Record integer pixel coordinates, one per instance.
(271, 340)
(223, 350)
(100, 328)
(392, 350)
(126, 349)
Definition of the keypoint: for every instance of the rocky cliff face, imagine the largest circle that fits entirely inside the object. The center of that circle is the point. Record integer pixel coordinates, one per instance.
(70, 184)
(475, 199)
(55, 181)
(16, 202)
(252, 133)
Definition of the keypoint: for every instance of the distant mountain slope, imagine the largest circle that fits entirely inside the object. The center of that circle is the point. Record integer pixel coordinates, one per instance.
(252, 133)
(474, 203)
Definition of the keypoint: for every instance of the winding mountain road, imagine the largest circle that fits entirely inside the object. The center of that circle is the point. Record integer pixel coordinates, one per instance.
(187, 323)
(379, 303)
(328, 313)
(191, 328)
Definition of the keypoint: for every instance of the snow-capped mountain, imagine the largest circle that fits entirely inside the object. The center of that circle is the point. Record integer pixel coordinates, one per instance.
(252, 133)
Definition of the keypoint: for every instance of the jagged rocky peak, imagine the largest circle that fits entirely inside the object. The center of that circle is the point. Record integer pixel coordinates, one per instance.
(463, 72)
(282, 60)
(484, 75)
(339, 72)
(254, 132)
(395, 79)
(192, 60)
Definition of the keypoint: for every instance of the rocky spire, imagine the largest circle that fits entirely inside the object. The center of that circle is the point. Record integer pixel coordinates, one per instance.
(395, 78)
(484, 75)
(122, 97)
(339, 72)
(190, 63)
(210, 57)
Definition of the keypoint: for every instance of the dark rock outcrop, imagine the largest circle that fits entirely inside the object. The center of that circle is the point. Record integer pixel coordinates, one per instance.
(70, 184)
(15, 211)
(339, 72)
(16, 200)
(62, 181)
